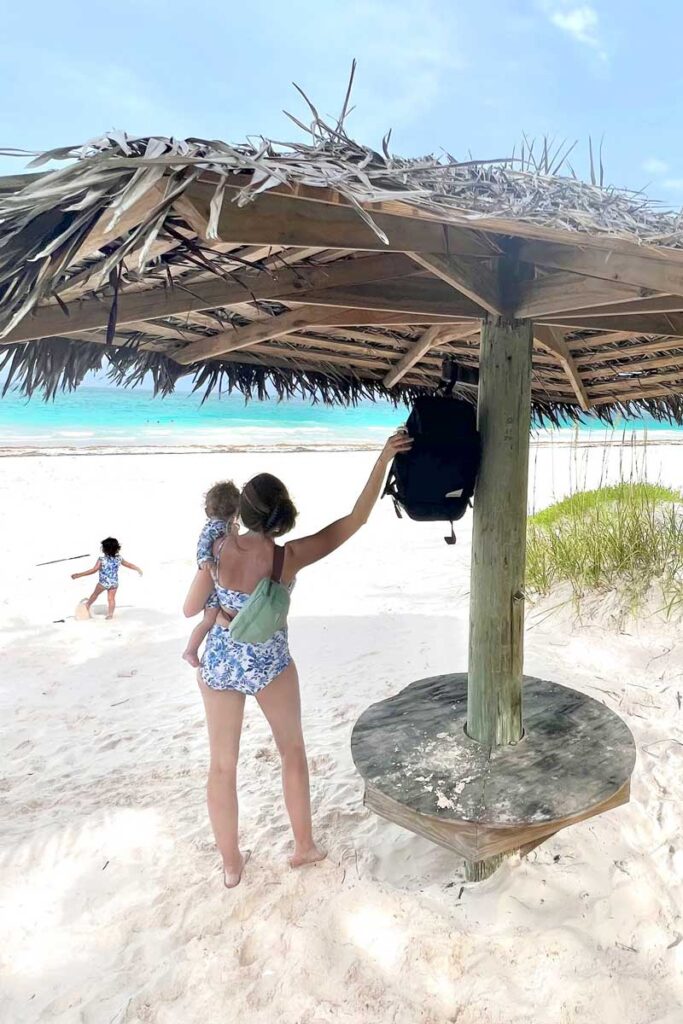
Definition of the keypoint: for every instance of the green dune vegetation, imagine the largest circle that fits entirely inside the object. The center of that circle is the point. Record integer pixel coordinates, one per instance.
(626, 537)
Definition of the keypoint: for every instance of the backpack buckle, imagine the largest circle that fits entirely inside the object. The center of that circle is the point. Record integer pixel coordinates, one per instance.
(452, 539)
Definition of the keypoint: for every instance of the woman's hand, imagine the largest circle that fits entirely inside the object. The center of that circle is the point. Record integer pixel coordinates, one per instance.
(397, 443)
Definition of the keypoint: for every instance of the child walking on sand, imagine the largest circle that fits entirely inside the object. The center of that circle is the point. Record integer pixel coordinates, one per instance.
(108, 567)
(221, 505)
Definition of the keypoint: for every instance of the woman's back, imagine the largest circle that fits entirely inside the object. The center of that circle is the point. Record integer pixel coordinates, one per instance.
(244, 560)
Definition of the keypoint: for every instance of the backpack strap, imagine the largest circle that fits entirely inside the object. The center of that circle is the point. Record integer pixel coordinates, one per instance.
(278, 563)
(390, 491)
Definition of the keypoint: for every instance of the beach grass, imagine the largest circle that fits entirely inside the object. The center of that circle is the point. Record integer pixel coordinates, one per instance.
(625, 537)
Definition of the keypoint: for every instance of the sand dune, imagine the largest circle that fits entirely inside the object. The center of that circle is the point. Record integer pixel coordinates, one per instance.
(111, 903)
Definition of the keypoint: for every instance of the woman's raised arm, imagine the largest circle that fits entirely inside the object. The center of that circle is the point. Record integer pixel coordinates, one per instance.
(311, 549)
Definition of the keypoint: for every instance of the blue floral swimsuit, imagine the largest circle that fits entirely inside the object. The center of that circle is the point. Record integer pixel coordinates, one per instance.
(230, 665)
(109, 571)
(211, 531)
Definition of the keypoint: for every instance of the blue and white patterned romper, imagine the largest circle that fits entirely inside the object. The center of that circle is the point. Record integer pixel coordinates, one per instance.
(109, 571)
(247, 668)
(211, 531)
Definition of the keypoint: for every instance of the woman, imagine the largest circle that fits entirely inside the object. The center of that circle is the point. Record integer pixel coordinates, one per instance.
(230, 670)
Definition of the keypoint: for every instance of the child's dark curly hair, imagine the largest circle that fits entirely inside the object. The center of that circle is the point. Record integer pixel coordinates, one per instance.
(111, 547)
(222, 500)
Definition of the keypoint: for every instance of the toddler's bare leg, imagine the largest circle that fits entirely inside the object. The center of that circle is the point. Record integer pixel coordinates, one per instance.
(111, 603)
(93, 597)
(191, 652)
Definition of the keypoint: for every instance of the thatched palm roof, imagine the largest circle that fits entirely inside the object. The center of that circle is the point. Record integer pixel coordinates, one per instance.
(336, 270)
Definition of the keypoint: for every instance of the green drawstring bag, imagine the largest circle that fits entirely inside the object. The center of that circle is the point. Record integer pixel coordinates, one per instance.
(265, 613)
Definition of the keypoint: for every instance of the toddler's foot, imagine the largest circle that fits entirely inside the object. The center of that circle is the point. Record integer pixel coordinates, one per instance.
(109, 616)
(191, 658)
(311, 855)
(232, 874)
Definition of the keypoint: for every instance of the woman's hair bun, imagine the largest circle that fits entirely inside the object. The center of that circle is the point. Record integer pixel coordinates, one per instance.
(266, 507)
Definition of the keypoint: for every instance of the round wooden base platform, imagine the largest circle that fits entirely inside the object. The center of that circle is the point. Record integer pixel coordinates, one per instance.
(423, 772)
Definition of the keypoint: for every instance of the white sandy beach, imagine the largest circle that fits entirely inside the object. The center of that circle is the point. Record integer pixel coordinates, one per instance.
(111, 903)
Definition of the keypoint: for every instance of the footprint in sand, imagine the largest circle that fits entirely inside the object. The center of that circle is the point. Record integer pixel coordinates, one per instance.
(266, 754)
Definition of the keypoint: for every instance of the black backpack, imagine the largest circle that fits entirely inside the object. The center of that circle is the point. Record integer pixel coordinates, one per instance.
(434, 482)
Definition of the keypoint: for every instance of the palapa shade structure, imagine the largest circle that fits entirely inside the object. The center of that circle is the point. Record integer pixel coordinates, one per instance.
(339, 272)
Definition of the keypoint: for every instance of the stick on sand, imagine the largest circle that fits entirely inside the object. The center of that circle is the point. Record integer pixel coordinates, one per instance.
(54, 561)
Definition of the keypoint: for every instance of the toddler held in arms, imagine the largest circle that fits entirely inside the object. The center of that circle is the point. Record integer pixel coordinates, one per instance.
(108, 567)
(221, 506)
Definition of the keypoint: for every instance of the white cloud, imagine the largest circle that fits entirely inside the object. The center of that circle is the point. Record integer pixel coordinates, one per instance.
(578, 21)
(655, 166)
(676, 184)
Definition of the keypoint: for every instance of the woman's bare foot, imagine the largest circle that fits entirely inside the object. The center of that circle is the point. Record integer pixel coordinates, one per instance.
(233, 876)
(191, 658)
(309, 856)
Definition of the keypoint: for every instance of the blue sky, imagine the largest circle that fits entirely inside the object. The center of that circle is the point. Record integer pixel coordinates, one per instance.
(464, 76)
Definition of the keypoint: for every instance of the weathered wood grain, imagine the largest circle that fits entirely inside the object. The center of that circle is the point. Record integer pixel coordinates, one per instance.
(423, 772)
(499, 533)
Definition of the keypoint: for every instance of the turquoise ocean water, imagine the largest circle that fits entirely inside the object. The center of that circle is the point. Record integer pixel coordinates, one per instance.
(101, 416)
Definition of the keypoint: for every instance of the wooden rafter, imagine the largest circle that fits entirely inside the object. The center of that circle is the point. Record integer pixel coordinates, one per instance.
(669, 324)
(88, 314)
(634, 384)
(285, 220)
(559, 292)
(300, 319)
(640, 266)
(107, 230)
(302, 361)
(415, 295)
(599, 340)
(630, 395)
(629, 352)
(653, 304)
(553, 341)
(431, 337)
(603, 370)
(468, 276)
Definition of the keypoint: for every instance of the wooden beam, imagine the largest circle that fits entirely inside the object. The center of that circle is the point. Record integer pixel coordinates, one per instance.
(654, 304)
(431, 337)
(643, 267)
(91, 313)
(599, 340)
(469, 277)
(302, 361)
(553, 340)
(300, 319)
(630, 396)
(409, 294)
(632, 384)
(633, 366)
(494, 691)
(276, 219)
(667, 324)
(104, 231)
(630, 352)
(559, 292)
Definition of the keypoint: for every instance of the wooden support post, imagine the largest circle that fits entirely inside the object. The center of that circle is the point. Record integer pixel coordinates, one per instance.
(494, 694)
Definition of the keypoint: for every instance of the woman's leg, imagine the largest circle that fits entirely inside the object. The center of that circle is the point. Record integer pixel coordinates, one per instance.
(111, 602)
(224, 712)
(93, 597)
(281, 704)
